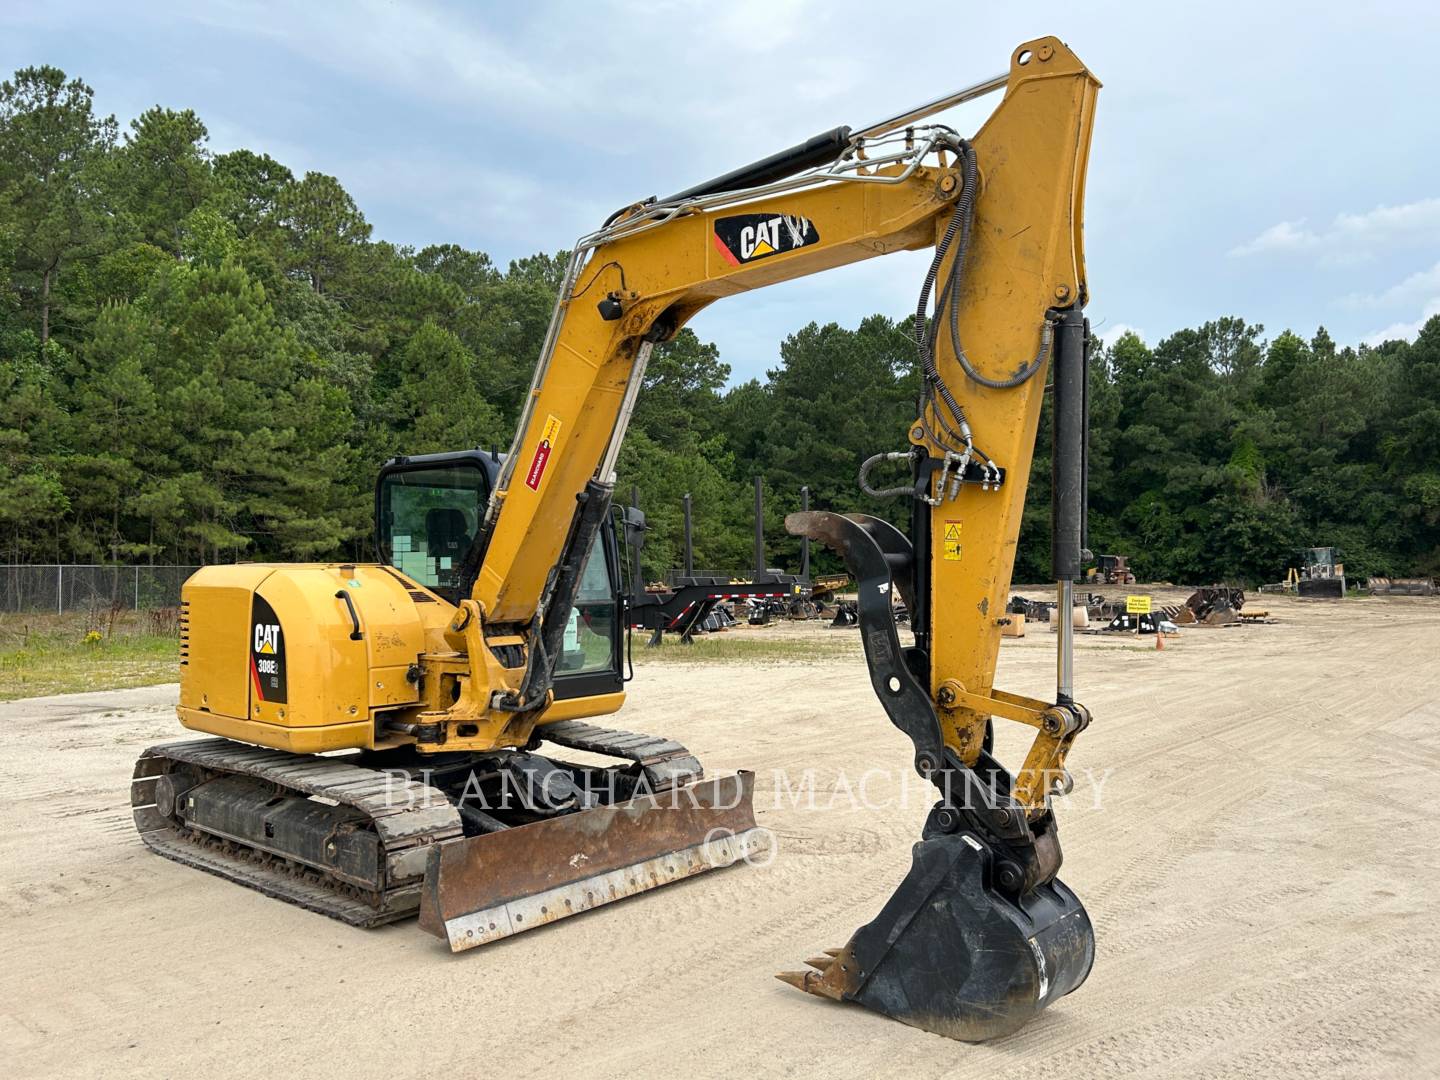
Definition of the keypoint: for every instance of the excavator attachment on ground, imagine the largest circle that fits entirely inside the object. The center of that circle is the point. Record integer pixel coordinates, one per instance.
(953, 954)
(414, 735)
(980, 935)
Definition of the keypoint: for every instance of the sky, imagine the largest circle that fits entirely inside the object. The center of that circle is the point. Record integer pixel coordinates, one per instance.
(1273, 160)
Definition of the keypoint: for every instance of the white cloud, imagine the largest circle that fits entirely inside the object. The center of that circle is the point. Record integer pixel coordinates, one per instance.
(1418, 287)
(1420, 290)
(1351, 238)
(542, 66)
(412, 46)
(1392, 222)
(1110, 333)
(1405, 331)
(1284, 237)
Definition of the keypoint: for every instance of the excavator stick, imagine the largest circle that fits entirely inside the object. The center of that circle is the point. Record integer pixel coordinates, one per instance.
(490, 887)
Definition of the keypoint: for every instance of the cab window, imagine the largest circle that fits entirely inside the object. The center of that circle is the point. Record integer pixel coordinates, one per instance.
(428, 519)
(589, 633)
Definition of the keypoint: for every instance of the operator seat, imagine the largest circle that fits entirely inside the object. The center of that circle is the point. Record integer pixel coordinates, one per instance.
(445, 532)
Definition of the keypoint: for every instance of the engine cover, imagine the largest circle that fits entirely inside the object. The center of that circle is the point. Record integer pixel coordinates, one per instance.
(298, 657)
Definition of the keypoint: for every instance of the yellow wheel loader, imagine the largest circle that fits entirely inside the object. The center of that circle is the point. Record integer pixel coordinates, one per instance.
(454, 675)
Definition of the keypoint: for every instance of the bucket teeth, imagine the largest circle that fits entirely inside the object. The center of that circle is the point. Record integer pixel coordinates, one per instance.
(798, 979)
(826, 980)
(832, 952)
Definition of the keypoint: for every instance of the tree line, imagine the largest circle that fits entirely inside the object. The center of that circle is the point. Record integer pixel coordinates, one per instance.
(205, 357)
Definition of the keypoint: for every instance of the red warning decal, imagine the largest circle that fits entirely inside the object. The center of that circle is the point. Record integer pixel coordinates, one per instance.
(537, 466)
(536, 472)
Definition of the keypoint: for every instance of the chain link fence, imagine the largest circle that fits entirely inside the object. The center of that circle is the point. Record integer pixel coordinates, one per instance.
(60, 589)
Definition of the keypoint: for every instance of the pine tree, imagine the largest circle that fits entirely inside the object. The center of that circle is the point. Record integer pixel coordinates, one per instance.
(53, 149)
(161, 175)
(437, 403)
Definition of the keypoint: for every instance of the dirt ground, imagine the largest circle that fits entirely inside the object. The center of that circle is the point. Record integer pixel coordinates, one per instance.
(1253, 831)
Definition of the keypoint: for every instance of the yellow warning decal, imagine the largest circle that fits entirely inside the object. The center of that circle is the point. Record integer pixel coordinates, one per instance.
(950, 548)
(552, 429)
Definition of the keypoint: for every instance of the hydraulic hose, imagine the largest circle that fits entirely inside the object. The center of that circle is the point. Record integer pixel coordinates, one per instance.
(883, 493)
(947, 303)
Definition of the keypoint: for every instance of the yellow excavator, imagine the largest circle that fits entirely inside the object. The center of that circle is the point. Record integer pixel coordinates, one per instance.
(491, 632)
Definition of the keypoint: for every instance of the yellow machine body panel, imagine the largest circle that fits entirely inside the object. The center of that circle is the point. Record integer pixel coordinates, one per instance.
(269, 656)
(279, 666)
(214, 675)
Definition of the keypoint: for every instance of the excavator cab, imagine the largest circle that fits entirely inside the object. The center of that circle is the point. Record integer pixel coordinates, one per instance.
(428, 509)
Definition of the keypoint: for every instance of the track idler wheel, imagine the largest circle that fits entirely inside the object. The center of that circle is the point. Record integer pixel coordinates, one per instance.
(954, 954)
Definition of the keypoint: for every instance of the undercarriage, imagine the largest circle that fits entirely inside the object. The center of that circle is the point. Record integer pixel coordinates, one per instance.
(354, 836)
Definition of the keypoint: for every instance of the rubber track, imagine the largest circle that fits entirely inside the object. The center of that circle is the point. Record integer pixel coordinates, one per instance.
(407, 815)
(666, 761)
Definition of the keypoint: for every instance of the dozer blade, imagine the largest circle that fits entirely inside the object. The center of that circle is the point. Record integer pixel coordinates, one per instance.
(950, 954)
(490, 887)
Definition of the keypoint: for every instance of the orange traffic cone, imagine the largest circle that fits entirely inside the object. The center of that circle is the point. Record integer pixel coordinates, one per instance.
(1159, 641)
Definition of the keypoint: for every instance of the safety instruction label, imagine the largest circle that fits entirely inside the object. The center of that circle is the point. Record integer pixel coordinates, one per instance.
(548, 434)
(950, 545)
(1137, 605)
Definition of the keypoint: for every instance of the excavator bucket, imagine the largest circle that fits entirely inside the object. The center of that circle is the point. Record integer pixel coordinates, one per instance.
(489, 887)
(951, 954)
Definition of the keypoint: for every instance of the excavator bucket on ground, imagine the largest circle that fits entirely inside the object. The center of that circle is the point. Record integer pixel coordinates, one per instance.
(949, 953)
(1212, 605)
